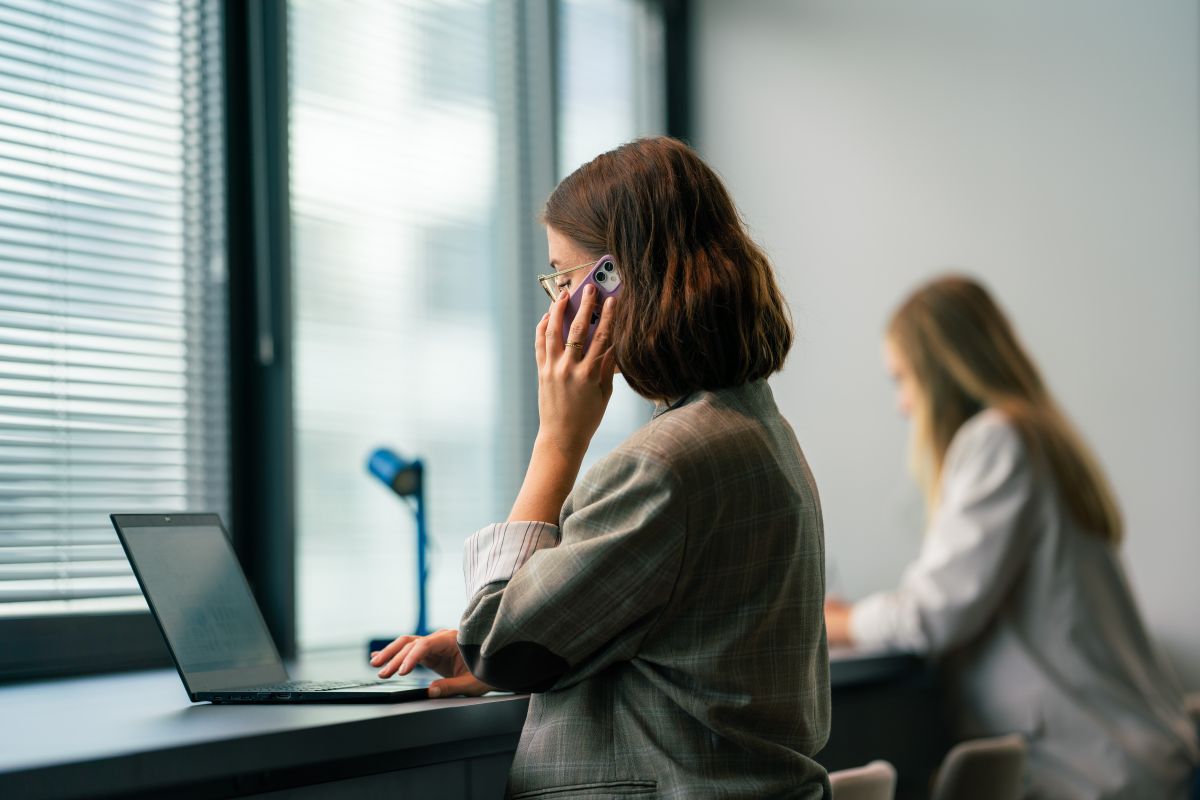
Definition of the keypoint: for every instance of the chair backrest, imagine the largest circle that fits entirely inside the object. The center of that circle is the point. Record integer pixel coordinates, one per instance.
(875, 781)
(1191, 701)
(982, 769)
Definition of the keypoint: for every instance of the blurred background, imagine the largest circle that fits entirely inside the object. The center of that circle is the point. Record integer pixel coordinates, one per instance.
(1051, 149)
(244, 244)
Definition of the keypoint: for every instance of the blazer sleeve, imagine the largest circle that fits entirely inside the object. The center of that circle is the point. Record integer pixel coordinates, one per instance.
(976, 545)
(566, 609)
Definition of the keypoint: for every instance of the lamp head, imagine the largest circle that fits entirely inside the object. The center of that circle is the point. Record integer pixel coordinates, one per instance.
(402, 476)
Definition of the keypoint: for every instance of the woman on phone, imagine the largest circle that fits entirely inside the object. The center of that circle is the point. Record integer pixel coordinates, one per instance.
(664, 609)
(1018, 587)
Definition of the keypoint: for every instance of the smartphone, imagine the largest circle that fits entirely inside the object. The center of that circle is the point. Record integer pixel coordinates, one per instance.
(604, 276)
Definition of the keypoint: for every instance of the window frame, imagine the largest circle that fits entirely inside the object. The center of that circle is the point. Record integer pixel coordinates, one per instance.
(59, 646)
(261, 495)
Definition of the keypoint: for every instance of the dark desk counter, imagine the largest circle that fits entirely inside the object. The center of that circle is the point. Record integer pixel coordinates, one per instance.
(851, 668)
(886, 705)
(136, 734)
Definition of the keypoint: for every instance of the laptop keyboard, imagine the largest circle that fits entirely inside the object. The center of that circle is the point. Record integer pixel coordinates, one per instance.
(328, 686)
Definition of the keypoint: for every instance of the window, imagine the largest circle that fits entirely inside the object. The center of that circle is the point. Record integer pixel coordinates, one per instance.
(393, 175)
(112, 298)
(611, 76)
(404, 203)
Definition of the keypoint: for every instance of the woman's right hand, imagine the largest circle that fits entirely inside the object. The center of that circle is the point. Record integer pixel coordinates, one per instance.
(439, 652)
(574, 385)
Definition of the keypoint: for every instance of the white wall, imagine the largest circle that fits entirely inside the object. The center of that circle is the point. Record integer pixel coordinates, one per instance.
(1049, 148)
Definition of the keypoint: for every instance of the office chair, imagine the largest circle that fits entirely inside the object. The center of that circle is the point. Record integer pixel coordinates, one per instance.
(875, 781)
(1191, 701)
(982, 769)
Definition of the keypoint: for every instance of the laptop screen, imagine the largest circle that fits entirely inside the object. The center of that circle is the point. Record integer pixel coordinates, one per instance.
(196, 589)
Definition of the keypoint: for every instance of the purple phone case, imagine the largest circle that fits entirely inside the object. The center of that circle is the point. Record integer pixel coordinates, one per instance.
(603, 292)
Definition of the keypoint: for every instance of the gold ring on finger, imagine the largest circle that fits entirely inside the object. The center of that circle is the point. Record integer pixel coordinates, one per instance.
(576, 345)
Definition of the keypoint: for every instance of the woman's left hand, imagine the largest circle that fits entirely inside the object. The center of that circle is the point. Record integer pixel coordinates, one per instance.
(573, 391)
(574, 385)
(837, 622)
(439, 652)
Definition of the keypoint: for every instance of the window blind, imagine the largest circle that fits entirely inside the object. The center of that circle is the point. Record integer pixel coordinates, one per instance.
(112, 288)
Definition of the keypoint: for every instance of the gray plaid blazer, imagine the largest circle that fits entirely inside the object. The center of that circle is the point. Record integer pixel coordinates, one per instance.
(671, 626)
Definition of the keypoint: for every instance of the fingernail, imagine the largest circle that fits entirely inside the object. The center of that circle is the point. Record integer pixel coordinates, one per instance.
(546, 316)
(435, 691)
(589, 290)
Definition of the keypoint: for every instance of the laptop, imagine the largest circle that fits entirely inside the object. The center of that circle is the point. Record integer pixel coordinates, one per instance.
(216, 634)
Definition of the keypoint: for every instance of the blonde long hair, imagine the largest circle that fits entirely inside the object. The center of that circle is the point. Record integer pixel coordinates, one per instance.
(965, 357)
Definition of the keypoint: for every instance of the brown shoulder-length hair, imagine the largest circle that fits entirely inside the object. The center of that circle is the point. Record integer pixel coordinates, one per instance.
(964, 357)
(700, 308)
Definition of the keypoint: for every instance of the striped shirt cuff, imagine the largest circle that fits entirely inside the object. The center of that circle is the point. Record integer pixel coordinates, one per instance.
(496, 552)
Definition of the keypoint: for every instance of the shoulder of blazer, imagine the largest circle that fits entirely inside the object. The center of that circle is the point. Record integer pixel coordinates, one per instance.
(989, 430)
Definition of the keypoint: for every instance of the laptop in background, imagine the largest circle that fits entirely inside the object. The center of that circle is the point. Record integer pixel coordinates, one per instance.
(199, 597)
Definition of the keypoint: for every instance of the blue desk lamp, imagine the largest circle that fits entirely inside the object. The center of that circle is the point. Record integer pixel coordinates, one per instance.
(407, 479)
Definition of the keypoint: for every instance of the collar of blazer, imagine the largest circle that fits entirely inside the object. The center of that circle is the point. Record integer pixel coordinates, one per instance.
(661, 407)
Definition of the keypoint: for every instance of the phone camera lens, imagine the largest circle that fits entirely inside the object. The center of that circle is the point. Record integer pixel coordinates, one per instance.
(608, 266)
(602, 277)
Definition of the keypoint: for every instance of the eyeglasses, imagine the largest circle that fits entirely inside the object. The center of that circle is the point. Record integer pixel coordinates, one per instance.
(551, 282)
